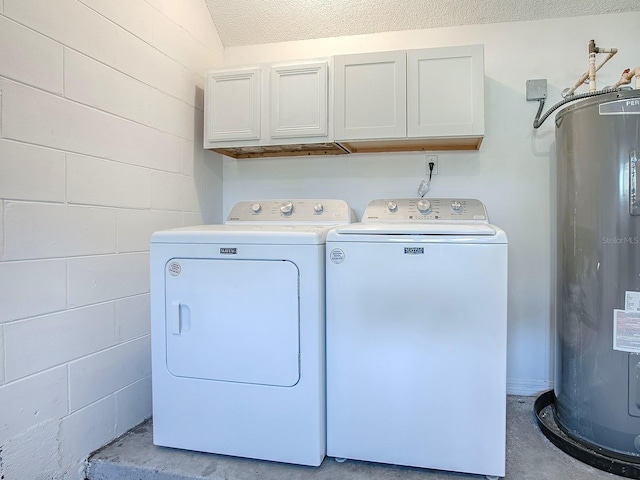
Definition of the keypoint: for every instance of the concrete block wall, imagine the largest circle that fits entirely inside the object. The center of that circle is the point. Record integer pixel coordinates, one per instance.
(100, 145)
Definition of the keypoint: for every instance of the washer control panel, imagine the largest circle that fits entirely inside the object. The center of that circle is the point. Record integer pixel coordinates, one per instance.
(423, 210)
(312, 211)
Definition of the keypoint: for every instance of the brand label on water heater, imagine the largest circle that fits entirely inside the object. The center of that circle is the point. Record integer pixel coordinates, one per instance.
(630, 106)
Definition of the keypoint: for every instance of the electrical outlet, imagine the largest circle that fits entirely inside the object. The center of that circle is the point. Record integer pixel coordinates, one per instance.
(537, 89)
(427, 160)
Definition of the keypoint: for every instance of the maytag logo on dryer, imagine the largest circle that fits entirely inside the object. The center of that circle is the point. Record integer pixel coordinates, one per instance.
(414, 250)
(228, 251)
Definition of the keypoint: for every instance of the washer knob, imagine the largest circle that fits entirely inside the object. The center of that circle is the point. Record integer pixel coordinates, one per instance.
(456, 206)
(286, 208)
(256, 207)
(424, 206)
(392, 206)
(318, 208)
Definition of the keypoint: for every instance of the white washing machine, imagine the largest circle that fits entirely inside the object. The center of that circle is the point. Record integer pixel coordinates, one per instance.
(416, 337)
(237, 327)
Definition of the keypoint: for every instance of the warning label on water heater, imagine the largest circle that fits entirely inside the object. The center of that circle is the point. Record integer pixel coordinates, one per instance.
(626, 331)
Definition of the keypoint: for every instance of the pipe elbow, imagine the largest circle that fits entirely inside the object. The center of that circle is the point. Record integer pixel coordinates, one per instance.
(627, 76)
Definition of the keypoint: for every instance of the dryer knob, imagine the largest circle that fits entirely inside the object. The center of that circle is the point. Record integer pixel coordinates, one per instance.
(256, 207)
(286, 208)
(456, 206)
(318, 208)
(392, 206)
(424, 206)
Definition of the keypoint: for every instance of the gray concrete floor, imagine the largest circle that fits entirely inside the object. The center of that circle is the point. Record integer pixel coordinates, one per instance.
(529, 456)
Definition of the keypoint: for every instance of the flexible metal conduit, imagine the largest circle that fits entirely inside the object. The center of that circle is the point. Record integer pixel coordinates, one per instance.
(539, 121)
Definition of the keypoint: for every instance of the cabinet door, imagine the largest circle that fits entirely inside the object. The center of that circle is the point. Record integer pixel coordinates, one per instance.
(370, 96)
(232, 106)
(445, 91)
(299, 105)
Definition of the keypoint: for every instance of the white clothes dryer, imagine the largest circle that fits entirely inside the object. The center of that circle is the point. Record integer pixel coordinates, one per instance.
(237, 327)
(416, 337)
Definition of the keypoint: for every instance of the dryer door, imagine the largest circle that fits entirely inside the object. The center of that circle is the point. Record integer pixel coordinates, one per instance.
(233, 320)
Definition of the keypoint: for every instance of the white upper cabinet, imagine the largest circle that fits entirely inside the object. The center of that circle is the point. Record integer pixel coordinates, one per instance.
(430, 99)
(251, 111)
(232, 103)
(370, 96)
(299, 101)
(408, 100)
(445, 92)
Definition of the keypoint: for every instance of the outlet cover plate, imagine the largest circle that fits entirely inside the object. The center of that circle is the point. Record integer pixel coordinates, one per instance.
(427, 160)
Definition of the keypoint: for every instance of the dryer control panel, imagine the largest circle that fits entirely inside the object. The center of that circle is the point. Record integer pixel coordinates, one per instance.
(425, 210)
(285, 211)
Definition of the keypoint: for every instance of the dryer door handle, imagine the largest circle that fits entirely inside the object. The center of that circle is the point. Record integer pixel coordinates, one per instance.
(179, 318)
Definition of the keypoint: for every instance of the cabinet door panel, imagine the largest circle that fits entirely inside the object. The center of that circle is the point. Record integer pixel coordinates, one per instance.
(299, 105)
(370, 96)
(233, 105)
(445, 92)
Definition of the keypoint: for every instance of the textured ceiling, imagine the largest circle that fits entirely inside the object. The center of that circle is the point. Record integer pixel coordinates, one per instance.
(253, 22)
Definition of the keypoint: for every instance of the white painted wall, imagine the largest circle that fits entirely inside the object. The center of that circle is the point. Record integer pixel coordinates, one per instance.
(100, 145)
(511, 173)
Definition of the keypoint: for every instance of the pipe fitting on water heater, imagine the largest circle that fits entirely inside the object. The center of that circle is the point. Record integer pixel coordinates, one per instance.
(590, 74)
(627, 76)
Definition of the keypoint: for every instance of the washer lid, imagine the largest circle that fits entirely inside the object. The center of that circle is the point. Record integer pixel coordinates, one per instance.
(244, 234)
(417, 229)
(418, 233)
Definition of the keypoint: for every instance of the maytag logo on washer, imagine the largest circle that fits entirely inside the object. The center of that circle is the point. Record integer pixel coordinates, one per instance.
(413, 250)
(228, 251)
